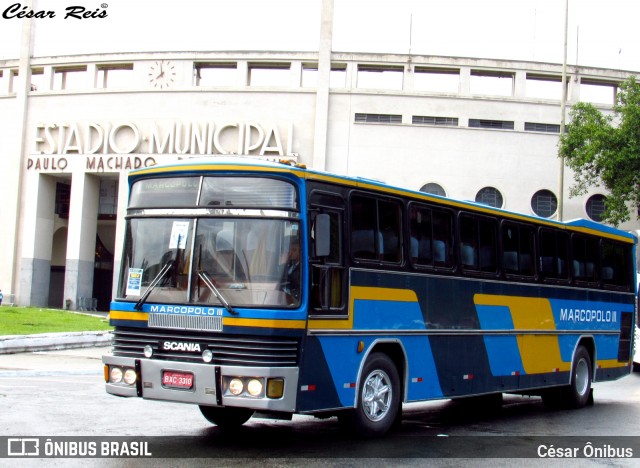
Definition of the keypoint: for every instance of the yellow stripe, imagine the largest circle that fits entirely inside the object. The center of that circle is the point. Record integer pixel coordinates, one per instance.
(231, 321)
(263, 323)
(217, 167)
(120, 315)
(539, 353)
(363, 293)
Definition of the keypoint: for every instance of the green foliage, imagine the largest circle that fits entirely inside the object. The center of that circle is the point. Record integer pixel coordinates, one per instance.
(31, 320)
(604, 150)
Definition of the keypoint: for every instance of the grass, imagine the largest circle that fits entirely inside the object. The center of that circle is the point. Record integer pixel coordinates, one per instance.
(31, 320)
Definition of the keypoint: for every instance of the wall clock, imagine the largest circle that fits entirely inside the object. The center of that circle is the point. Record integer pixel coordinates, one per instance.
(162, 74)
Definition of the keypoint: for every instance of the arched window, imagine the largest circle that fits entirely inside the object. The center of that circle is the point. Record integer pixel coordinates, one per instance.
(544, 203)
(595, 207)
(490, 196)
(433, 189)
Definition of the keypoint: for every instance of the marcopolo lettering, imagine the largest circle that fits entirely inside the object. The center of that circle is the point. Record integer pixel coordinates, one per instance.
(588, 315)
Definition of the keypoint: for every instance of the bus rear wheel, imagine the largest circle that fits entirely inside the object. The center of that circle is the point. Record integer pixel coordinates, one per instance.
(579, 390)
(379, 403)
(577, 393)
(226, 418)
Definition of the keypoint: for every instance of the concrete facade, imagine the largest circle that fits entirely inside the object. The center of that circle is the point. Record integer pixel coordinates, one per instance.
(79, 123)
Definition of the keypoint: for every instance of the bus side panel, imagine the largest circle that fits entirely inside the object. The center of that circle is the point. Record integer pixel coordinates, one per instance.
(472, 327)
(345, 362)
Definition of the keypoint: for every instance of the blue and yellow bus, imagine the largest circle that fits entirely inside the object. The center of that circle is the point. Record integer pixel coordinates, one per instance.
(261, 287)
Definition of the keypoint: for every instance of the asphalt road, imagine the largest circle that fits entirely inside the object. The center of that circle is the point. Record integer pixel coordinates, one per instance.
(61, 394)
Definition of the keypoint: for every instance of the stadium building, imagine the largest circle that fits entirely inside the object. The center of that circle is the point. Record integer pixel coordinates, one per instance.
(71, 127)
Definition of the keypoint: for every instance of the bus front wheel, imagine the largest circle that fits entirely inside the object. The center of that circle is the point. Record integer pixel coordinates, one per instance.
(378, 400)
(226, 418)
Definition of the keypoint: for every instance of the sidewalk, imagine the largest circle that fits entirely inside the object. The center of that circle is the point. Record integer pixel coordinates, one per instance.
(11, 344)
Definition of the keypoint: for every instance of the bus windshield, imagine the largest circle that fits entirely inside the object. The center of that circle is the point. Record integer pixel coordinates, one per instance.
(244, 262)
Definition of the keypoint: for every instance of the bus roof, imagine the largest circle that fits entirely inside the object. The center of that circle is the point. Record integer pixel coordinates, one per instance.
(203, 164)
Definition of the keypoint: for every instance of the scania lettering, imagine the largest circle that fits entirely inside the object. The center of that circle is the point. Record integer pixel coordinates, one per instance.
(175, 346)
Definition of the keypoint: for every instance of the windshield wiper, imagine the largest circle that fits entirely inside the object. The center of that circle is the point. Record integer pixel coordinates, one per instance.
(216, 292)
(161, 274)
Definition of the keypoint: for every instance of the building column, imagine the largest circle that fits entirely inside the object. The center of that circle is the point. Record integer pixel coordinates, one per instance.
(520, 85)
(465, 81)
(81, 240)
(15, 152)
(321, 130)
(37, 238)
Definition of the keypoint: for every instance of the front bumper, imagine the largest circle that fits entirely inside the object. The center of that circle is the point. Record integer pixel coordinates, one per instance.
(207, 383)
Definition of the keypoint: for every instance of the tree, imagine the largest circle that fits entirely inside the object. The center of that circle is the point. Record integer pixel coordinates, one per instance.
(604, 150)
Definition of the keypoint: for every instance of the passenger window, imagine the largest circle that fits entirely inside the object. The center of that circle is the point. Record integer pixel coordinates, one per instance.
(375, 229)
(518, 250)
(614, 271)
(430, 237)
(554, 254)
(478, 243)
(584, 258)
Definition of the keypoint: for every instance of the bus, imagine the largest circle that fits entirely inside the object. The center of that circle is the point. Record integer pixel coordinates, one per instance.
(262, 288)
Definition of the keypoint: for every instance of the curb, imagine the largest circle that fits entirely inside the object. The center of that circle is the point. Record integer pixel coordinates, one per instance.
(11, 344)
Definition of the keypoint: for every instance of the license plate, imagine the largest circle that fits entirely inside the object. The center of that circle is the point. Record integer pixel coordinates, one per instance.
(177, 379)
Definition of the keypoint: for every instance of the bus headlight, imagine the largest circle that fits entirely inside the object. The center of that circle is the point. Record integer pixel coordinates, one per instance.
(254, 387)
(236, 387)
(115, 375)
(130, 376)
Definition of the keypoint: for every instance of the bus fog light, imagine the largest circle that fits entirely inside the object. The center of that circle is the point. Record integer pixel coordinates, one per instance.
(275, 388)
(148, 351)
(207, 355)
(115, 375)
(130, 376)
(236, 386)
(254, 387)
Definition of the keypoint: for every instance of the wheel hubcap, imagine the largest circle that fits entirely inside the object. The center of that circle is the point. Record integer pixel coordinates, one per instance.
(582, 377)
(377, 395)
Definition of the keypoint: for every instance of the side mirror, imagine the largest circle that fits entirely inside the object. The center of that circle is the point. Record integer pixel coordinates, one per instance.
(322, 235)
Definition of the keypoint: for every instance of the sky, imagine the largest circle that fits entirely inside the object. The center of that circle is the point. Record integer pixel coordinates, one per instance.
(600, 33)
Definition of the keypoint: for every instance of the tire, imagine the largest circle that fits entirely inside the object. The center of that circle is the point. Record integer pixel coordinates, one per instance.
(579, 390)
(378, 404)
(225, 417)
(577, 393)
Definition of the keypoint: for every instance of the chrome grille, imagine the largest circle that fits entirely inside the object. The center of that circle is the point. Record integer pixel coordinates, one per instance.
(233, 350)
(185, 322)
